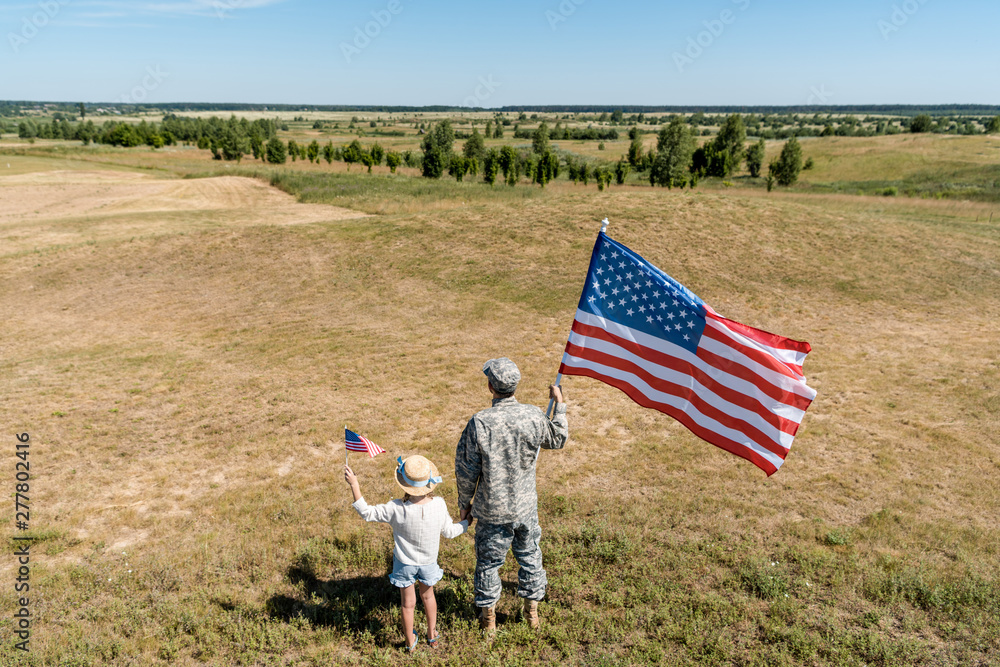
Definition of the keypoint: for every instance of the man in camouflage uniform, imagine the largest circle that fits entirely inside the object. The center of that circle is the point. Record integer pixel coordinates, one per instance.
(497, 452)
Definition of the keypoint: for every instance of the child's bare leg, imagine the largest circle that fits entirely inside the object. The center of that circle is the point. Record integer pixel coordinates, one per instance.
(408, 600)
(430, 608)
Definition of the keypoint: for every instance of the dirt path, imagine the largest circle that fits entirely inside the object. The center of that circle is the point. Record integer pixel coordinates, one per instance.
(58, 207)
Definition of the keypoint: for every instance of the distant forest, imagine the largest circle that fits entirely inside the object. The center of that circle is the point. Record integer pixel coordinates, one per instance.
(16, 108)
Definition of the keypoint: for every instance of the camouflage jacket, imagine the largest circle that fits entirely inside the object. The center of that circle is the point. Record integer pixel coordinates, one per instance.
(498, 451)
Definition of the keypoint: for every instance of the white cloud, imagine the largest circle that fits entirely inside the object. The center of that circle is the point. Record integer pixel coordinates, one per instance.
(91, 23)
(201, 7)
(111, 9)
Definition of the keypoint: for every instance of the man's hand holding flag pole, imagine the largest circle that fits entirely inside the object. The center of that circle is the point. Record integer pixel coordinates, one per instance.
(548, 410)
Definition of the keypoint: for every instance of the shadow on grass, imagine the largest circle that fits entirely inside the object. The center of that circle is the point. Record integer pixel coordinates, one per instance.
(360, 604)
(356, 604)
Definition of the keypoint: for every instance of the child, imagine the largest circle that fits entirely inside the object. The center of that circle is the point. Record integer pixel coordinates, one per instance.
(417, 520)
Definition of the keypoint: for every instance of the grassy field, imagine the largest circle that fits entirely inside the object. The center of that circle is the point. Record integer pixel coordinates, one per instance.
(185, 372)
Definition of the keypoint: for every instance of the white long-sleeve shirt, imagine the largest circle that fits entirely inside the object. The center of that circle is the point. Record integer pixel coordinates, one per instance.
(416, 529)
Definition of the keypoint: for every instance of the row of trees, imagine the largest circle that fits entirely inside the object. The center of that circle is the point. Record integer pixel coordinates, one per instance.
(275, 151)
(676, 162)
(233, 137)
(852, 127)
(772, 126)
(924, 123)
(540, 165)
(438, 156)
(571, 133)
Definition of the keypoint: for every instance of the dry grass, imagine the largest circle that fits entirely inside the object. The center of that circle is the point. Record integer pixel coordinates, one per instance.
(43, 210)
(185, 390)
(898, 156)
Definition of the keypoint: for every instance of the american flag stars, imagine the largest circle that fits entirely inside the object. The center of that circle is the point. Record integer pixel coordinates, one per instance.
(643, 297)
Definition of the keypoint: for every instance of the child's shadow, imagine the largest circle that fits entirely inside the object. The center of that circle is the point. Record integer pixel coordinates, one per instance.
(353, 603)
(358, 604)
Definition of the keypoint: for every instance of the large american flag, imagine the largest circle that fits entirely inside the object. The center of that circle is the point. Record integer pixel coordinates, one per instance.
(639, 330)
(359, 443)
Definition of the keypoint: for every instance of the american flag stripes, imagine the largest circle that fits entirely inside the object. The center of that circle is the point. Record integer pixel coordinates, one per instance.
(639, 330)
(359, 443)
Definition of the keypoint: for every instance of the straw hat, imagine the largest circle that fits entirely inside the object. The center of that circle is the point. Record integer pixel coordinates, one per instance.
(416, 475)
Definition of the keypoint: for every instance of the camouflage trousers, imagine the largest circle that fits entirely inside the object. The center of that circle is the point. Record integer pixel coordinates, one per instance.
(492, 542)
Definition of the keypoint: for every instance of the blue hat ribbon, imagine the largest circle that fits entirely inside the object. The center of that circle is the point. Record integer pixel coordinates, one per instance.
(410, 482)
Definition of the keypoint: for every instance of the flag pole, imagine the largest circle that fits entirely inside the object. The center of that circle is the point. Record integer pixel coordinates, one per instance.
(347, 462)
(552, 400)
(548, 410)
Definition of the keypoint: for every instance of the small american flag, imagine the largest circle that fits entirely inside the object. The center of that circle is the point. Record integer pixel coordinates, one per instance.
(736, 387)
(359, 443)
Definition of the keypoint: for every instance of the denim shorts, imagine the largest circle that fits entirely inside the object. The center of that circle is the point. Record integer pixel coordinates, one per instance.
(404, 575)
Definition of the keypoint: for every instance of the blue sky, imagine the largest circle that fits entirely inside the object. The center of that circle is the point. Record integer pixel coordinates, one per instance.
(490, 53)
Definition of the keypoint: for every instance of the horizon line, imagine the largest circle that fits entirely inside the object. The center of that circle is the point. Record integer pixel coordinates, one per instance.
(624, 108)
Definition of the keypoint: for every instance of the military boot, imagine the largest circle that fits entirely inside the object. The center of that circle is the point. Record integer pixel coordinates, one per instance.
(488, 620)
(531, 613)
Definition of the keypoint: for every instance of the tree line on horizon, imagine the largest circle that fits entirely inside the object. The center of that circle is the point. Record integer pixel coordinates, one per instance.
(17, 107)
(228, 136)
(676, 161)
(232, 136)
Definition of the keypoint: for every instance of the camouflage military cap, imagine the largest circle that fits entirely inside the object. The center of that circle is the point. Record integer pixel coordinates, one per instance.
(503, 374)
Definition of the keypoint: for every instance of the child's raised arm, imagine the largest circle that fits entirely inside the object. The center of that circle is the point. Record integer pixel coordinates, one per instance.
(352, 481)
(380, 513)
